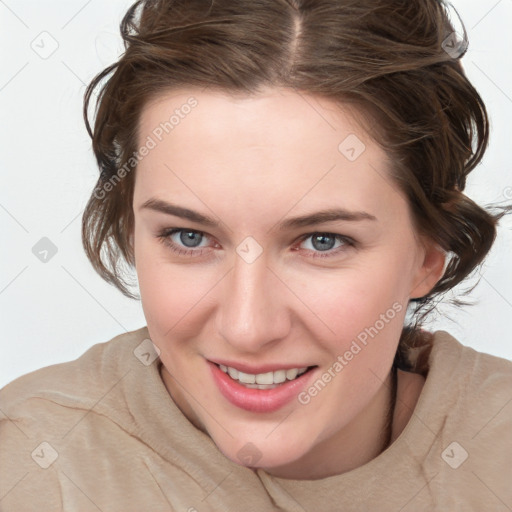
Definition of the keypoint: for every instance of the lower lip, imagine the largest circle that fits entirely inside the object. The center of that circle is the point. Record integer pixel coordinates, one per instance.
(259, 400)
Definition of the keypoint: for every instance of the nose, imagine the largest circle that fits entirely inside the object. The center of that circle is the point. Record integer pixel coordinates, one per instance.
(252, 312)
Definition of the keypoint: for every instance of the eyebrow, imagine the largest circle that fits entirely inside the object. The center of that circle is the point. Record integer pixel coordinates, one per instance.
(329, 215)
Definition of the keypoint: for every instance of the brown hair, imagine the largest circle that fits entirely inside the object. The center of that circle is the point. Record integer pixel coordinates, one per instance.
(397, 60)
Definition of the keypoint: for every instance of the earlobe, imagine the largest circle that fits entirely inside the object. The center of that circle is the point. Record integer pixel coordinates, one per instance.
(430, 272)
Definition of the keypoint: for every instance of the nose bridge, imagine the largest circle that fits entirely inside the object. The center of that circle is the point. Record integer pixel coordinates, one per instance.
(252, 313)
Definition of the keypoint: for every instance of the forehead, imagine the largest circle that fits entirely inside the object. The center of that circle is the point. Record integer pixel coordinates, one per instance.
(278, 144)
(257, 118)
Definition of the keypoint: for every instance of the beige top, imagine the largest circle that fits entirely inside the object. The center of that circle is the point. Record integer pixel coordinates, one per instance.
(102, 433)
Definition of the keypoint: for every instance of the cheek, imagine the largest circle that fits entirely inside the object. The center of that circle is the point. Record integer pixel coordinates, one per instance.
(365, 313)
(172, 296)
(354, 297)
(156, 284)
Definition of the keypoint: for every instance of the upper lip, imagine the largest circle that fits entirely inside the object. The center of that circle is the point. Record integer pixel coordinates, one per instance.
(262, 368)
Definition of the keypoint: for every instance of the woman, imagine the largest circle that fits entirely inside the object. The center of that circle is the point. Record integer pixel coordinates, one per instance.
(287, 180)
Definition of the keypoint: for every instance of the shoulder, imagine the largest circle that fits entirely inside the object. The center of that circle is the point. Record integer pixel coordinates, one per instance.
(54, 394)
(477, 431)
(40, 410)
(68, 381)
(476, 375)
(459, 433)
(472, 390)
(457, 373)
(473, 385)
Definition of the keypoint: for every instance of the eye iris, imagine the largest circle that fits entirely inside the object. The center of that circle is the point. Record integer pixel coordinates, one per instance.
(323, 242)
(190, 238)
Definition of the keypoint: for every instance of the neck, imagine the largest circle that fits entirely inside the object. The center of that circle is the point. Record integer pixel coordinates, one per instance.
(409, 388)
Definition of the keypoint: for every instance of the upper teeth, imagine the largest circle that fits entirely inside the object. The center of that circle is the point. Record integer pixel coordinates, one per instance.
(276, 377)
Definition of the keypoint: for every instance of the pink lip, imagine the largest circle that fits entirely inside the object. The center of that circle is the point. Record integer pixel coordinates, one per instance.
(258, 400)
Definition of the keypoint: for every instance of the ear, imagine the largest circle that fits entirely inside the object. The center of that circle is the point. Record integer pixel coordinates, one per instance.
(430, 270)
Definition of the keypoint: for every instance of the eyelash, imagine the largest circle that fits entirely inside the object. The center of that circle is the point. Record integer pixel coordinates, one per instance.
(165, 237)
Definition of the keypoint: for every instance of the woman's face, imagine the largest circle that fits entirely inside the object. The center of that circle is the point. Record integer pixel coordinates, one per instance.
(296, 250)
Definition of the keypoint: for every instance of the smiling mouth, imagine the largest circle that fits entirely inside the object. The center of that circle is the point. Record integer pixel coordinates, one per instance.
(268, 380)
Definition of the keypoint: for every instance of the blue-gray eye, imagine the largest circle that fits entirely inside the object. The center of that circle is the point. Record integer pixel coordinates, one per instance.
(323, 241)
(190, 238)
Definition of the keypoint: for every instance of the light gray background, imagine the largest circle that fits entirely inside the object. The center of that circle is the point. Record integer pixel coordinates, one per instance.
(52, 312)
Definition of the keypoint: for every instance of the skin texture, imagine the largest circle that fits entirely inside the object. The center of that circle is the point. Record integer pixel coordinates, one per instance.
(251, 162)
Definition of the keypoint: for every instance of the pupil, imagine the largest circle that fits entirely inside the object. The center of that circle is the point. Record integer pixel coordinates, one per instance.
(323, 242)
(187, 238)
